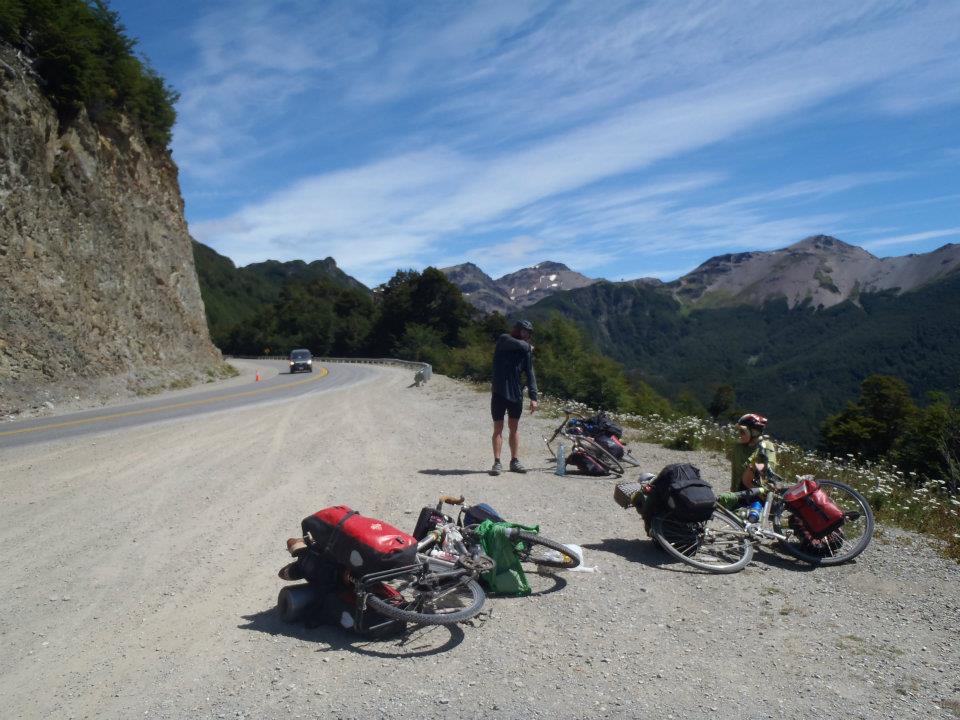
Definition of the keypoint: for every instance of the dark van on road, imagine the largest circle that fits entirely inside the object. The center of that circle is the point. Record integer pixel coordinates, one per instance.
(301, 360)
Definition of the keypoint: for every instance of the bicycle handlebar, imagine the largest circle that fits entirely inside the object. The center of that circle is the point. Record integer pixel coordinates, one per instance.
(448, 500)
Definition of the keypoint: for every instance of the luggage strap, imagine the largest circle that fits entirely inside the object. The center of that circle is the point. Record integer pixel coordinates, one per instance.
(332, 540)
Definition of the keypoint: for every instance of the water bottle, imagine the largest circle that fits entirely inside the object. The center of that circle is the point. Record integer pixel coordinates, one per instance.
(561, 468)
(753, 514)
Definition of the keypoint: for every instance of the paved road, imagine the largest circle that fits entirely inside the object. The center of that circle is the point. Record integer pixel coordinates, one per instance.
(276, 385)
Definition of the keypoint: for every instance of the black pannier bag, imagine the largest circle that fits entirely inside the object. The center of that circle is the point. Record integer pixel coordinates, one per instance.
(428, 519)
(586, 464)
(611, 445)
(680, 491)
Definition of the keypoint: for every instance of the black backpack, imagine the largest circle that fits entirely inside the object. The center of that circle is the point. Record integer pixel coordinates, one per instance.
(602, 425)
(586, 464)
(679, 490)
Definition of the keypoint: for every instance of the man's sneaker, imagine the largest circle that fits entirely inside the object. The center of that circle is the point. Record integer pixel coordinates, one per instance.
(517, 466)
(497, 467)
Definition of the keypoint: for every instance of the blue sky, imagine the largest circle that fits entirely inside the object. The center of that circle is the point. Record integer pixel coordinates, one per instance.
(625, 139)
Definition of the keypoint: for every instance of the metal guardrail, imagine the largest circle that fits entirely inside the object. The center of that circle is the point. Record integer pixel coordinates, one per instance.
(418, 367)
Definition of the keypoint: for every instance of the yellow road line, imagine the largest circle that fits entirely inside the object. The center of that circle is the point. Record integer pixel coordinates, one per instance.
(176, 406)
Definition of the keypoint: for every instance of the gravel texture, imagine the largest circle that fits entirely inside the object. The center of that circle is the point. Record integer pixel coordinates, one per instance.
(138, 579)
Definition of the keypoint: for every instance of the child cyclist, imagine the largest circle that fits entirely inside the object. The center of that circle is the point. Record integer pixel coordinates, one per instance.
(752, 457)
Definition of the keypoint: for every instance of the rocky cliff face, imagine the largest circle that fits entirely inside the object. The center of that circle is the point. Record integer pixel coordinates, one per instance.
(98, 292)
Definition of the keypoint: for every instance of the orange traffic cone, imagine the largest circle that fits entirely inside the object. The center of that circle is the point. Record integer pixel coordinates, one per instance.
(258, 376)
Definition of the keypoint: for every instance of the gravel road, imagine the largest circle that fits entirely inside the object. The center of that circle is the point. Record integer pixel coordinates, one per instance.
(138, 579)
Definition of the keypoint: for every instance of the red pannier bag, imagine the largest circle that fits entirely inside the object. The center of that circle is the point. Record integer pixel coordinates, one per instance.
(820, 515)
(363, 544)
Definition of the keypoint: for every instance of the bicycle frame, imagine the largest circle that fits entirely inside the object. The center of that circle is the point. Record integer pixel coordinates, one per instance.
(760, 530)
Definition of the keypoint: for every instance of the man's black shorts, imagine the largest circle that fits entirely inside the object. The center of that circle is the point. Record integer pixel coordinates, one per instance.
(500, 405)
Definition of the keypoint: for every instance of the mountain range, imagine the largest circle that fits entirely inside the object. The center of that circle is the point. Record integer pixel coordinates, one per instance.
(515, 290)
(794, 331)
(819, 271)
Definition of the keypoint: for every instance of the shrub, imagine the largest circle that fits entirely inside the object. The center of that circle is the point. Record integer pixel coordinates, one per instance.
(85, 60)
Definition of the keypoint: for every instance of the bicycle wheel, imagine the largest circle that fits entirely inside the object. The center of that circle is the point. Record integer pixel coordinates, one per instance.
(600, 454)
(423, 599)
(539, 550)
(718, 545)
(840, 546)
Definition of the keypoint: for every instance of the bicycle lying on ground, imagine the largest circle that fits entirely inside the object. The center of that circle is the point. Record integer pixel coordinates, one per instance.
(582, 434)
(725, 542)
(435, 591)
(411, 586)
(444, 538)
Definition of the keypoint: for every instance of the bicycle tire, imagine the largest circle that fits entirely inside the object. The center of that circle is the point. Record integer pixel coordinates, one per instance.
(600, 454)
(451, 601)
(718, 545)
(532, 553)
(843, 544)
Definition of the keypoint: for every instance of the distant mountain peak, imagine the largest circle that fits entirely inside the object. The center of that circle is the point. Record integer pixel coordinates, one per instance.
(514, 290)
(825, 244)
(551, 266)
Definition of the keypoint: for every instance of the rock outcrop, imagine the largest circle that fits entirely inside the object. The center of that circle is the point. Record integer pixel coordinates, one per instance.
(98, 292)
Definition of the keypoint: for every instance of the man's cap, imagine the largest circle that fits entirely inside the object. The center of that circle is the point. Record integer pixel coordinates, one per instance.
(525, 324)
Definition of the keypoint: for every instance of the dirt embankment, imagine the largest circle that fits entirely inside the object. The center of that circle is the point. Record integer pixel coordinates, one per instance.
(139, 577)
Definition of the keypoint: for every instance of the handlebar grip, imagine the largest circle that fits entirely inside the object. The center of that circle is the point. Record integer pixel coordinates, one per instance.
(450, 500)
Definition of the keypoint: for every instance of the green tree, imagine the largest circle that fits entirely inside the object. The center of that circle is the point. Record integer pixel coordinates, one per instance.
(724, 399)
(870, 426)
(688, 404)
(85, 60)
(421, 344)
(427, 299)
(930, 443)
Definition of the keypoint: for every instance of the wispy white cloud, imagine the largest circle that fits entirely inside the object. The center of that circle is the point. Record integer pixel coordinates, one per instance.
(543, 123)
(909, 238)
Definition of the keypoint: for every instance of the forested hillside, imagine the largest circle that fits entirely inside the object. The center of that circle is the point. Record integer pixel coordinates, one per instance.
(271, 307)
(247, 301)
(797, 366)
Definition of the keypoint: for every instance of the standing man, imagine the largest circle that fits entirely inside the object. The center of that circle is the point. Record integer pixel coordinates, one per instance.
(512, 355)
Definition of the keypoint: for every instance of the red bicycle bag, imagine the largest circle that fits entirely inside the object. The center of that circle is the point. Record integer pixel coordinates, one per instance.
(361, 543)
(820, 515)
